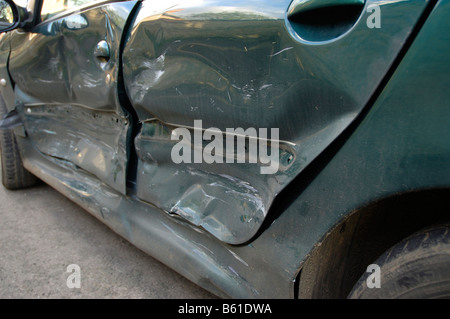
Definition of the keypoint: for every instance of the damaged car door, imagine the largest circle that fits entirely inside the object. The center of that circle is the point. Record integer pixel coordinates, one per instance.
(305, 69)
(66, 71)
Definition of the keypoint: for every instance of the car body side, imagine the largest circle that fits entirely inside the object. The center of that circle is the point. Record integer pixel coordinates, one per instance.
(384, 175)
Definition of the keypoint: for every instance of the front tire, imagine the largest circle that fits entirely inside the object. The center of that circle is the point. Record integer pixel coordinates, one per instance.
(14, 175)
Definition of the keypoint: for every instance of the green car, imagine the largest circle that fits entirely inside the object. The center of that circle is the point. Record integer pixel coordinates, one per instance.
(262, 149)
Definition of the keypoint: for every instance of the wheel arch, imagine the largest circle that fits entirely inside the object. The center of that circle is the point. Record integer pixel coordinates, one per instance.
(337, 262)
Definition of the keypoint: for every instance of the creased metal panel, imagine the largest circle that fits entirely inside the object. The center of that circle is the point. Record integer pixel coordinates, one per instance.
(241, 64)
(68, 94)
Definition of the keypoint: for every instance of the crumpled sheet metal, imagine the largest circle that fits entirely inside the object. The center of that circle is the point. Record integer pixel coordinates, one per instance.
(99, 148)
(229, 202)
(68, 97)
(238, 65)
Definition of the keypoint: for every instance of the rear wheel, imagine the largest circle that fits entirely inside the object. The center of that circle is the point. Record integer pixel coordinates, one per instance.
(14, 175)
(416, 268)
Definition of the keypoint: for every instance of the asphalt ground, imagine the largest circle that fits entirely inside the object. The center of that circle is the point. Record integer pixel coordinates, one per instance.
(43, 234)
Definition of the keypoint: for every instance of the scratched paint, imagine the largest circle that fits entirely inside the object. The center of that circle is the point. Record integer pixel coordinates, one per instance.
(69, 96)
(216, 62)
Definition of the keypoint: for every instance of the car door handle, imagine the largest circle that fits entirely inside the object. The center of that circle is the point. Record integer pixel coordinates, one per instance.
(323, 20)
(102, 51)
(299, 6)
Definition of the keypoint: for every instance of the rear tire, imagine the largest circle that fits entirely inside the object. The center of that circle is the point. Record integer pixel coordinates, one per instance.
(416, 268)
(14, 175)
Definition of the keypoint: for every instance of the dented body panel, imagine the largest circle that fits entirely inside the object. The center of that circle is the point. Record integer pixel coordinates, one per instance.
(240, 65)
(69, 97)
